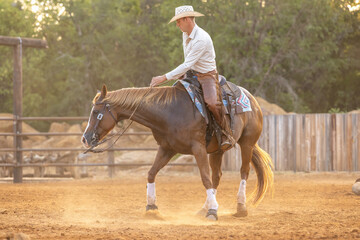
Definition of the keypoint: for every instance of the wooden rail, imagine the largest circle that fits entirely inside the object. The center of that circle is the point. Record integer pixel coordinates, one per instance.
(308, 142)
(18, 165)
(298, 142)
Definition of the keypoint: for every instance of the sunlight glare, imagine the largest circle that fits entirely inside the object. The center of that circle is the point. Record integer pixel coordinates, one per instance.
(355, 7)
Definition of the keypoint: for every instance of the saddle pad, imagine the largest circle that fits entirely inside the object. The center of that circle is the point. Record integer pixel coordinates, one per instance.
(195, 100)
(242, 101)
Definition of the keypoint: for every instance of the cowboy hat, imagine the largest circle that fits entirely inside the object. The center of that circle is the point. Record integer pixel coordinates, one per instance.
(185, 11)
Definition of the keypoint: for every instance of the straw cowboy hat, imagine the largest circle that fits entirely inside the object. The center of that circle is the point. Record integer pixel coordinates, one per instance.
(185, 11)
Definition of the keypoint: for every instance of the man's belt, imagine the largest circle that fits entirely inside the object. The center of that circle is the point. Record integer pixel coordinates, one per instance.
(191, 73)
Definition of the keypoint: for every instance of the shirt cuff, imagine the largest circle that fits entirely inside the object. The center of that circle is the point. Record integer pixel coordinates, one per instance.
(168, 76)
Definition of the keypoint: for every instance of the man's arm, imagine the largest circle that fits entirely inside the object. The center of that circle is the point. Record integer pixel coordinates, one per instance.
(157, 80)
(193, 56)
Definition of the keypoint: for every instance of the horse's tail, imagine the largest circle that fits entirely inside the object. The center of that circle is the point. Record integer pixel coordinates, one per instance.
(263, 165)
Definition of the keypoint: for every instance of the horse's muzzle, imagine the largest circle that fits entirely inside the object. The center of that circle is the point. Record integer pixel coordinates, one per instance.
(84, 142)
(90, 141)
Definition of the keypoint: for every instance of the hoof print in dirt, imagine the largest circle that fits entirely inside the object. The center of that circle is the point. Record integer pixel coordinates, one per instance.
(202, 213)
(154, 215)
(241, 214)
(241, 211)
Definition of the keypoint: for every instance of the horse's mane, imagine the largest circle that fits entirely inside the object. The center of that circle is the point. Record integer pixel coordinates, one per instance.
(129, 98)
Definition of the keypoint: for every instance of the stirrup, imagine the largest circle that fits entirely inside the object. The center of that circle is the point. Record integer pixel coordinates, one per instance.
(230, 139)
(226, 146)
(227, 143)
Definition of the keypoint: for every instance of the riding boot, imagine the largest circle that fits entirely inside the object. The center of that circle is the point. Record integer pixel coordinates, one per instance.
(227, 141)
(212, 96)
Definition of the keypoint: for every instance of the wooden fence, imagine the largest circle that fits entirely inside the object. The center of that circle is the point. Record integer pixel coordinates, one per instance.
(308, 142)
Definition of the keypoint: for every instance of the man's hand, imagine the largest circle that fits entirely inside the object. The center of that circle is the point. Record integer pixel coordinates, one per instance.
(157, 80)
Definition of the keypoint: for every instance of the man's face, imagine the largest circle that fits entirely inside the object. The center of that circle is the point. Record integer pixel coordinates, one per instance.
(182, 23)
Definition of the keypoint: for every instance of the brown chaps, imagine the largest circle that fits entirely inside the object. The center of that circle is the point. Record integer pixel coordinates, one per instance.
(212, 97)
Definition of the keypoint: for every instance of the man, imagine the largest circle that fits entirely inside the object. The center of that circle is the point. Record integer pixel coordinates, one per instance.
(200, 60)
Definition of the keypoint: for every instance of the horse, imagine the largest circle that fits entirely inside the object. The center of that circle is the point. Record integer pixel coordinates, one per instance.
(179, 128)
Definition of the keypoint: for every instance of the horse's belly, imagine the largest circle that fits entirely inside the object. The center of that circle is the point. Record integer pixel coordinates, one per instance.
(180, 141)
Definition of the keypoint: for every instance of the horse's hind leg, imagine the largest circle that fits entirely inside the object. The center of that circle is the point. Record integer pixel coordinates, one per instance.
(215, 164)
(247, 147)
(163, 156)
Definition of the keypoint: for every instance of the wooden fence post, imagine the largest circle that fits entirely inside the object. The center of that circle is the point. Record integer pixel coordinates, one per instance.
(17, 96)
(18, 43)
(111, 160)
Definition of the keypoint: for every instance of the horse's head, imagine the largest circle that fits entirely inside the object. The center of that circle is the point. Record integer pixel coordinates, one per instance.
(101, 121)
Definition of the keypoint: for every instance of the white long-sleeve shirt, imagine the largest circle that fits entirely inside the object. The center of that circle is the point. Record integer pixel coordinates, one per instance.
(199, 54)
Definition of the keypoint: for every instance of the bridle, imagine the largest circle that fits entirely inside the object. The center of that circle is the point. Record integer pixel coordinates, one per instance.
(96, 136)
(100, 116)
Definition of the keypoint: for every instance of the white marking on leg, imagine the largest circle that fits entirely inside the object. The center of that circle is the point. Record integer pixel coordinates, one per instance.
(211, 202)
(205, 206)
(151, 193)
(241, 196)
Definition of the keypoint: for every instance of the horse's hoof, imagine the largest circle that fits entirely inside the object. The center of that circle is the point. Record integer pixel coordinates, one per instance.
(202, 212)
(241, 210)
(212, 215)
(151, 207)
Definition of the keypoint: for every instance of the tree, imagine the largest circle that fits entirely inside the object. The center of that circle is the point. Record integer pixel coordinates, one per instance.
(300, 54)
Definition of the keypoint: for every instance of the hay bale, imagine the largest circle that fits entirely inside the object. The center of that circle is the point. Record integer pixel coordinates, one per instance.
(26, 128)
(59, 127)
(269, 108)
(83, 126)
(6, 142)
(355, 111)
(136, 157)
(69, 141)
(183, 159)
(150, 140)
(136, 138)
(7, 127)
(76, 128)
(137, 127)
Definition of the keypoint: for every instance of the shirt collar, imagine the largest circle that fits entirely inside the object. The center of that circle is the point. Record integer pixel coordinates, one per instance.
(193, 32)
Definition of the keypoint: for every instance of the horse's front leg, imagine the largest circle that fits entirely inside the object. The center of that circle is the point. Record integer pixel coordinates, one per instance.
(211, 204)
(215, 164)
(163, 156)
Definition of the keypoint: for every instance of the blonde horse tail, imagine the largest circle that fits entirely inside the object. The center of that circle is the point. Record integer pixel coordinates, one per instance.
(262, 163)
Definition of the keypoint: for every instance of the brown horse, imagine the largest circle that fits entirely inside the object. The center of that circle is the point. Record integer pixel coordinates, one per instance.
(179, 128)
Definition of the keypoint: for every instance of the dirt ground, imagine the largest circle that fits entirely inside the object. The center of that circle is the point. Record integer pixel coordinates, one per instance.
(304, 206)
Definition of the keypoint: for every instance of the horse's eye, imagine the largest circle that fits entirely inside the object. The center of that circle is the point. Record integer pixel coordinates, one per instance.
(95, 112)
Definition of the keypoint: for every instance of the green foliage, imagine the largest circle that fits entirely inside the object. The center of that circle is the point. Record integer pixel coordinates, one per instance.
(303, 55)
(335, 110)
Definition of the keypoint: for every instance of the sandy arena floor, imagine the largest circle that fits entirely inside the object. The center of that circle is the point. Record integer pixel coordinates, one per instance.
(304, 206)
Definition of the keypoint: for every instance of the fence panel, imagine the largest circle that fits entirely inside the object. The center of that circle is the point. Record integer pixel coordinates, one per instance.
(297, 142)
(310, 142)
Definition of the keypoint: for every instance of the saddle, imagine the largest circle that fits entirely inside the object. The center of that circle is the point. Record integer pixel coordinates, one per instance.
(231, 97)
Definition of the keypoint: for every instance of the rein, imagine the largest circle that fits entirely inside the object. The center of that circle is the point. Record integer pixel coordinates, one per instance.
(99, 118)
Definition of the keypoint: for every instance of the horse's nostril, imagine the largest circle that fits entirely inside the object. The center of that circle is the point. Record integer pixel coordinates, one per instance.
(83, 140)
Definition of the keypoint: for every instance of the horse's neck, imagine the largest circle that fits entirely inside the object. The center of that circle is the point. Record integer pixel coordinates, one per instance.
(146, 113)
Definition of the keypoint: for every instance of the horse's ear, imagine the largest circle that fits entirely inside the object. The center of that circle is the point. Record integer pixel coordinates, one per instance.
(103, 91)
